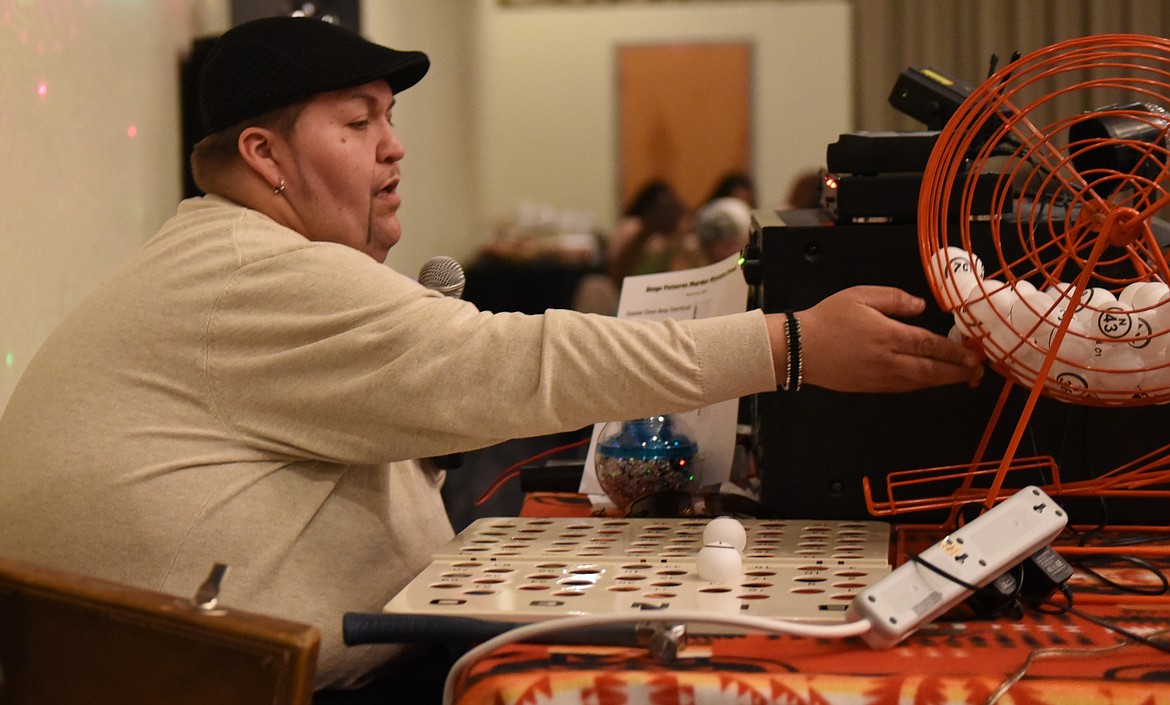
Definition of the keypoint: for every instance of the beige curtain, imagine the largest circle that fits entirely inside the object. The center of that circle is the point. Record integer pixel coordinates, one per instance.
(958, 38)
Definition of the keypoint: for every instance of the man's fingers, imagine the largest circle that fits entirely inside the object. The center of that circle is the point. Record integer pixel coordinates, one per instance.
(943, 349)
(891, 301)
(924, 371)
(929, 360)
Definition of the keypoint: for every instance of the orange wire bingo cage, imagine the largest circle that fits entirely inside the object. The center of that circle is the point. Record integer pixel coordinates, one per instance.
(1075, 141)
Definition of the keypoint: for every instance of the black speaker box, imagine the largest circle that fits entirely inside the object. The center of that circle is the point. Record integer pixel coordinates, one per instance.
(815, 445)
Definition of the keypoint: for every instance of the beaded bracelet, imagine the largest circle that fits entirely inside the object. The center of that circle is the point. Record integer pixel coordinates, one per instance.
(794, 373)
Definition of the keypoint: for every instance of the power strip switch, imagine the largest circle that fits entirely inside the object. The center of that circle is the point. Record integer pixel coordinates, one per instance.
(975, 554)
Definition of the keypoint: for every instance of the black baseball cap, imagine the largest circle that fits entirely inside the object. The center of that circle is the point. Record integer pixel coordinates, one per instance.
(273, 62)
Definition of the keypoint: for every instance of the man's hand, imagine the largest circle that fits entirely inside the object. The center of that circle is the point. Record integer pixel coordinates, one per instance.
(852, 344)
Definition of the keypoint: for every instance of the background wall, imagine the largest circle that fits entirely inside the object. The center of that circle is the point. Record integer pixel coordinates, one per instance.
(89, 152)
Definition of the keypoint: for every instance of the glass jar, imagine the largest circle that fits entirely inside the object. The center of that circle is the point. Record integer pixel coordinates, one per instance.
(640, 457)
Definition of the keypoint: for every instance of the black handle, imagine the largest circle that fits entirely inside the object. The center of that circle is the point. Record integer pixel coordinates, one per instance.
(380, 628)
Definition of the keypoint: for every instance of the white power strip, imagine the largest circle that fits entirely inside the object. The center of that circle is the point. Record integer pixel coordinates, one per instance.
(976, 554)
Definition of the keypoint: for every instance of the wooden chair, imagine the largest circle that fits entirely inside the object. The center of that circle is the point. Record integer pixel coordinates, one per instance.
(67, 639)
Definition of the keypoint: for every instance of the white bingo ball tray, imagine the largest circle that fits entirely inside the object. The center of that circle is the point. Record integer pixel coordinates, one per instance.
(531, 569)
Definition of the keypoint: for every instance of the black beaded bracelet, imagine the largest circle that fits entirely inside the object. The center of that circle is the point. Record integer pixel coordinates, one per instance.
(793, 374)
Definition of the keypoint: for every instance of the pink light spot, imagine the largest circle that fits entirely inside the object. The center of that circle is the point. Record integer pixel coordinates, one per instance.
(132, 131)
(42, 89)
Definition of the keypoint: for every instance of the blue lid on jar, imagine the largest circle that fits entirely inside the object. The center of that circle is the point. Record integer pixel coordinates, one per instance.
(649, 438)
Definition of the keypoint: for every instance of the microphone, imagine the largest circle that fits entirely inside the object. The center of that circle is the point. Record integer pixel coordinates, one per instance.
(444, 275)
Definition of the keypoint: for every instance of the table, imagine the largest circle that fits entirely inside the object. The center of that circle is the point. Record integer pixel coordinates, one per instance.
(1046, 659)
(1075, 662)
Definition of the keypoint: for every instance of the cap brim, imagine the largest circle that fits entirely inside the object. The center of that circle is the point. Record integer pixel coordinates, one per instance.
(410, 70)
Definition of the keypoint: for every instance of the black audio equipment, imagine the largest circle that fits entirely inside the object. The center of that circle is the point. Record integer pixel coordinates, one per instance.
(892, 197)
(880, 152)
(816, 445)
(928, 95)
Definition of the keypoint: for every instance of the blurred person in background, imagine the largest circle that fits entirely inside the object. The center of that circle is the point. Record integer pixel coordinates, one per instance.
(735, 184)
(654, 229)
(805, 190)
(722, 227)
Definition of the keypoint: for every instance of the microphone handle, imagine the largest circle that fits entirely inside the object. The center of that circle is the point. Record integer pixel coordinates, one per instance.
(444, 275)
(375, 628)
(451, 461)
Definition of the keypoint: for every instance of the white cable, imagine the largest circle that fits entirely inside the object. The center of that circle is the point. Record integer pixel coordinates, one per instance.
(754, 624)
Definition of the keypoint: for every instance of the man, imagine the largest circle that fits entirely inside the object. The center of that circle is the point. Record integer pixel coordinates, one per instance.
(253, 386)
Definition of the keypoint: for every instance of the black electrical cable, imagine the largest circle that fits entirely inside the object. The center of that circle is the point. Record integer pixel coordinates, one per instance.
(1069, 609)
(1082, 563)
(939, 571)
(1160, 645)
(1161, 589)
(987, 592)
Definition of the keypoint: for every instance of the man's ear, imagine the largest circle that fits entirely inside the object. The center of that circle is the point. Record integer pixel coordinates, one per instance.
(256, 146)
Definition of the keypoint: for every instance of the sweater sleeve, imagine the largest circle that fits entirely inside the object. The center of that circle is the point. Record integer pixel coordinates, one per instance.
(323, 353)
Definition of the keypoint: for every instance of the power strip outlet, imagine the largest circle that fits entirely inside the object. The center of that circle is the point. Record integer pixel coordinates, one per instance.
(976, 554)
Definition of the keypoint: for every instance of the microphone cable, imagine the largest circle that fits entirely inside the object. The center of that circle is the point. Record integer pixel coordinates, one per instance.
(445, 275)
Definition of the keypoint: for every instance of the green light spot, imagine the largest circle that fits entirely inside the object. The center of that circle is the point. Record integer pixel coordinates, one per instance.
(9, 359)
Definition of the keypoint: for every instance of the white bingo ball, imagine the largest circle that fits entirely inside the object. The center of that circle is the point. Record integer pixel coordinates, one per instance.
(1097, 297)
(726, 530)
(719, 562)
(1071, 359)
(1113, 321)
(1026, 361)
(1127, 294)
(1023, 286)
(990, 304)
(1076, 346)
(1070, 380)
(1149, 295)
(957, 272)
(1032, 317)
(1158, 320)
(965, 325)
(1061, 294)
(1115, 371)
(1157, 377)
(1142, 338)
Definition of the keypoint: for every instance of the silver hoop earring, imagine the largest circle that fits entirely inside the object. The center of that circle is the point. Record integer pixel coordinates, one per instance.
(279, 189)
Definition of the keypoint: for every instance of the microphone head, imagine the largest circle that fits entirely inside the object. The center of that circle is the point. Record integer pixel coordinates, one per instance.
(444, 275)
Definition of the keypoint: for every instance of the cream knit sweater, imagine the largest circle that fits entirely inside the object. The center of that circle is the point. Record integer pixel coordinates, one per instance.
(237, 393)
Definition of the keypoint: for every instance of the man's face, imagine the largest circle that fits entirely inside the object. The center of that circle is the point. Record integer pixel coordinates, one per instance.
(341, 169)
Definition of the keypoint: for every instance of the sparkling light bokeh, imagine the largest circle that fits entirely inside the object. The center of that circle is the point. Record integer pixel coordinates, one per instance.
(78, 80)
